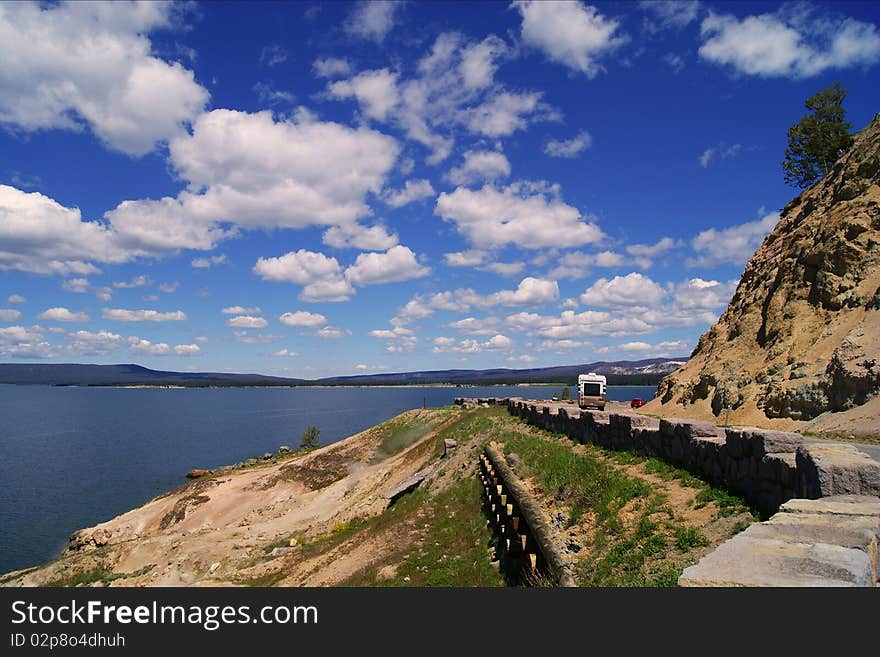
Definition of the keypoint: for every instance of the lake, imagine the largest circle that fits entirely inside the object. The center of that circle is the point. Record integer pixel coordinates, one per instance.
(73, 457)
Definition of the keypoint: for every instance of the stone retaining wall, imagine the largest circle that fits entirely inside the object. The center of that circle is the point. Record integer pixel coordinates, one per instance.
(765, 467)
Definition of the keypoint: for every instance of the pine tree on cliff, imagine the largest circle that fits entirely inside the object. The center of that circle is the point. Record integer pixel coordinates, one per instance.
(817, 141)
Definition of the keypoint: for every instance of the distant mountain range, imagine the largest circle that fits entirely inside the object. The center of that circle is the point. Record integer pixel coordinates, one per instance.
(647, 372)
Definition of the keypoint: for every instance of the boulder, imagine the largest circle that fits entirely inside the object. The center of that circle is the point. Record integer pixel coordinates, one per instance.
(196, 473)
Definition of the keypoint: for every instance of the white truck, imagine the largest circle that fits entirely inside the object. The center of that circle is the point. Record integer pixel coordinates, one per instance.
(591, 390)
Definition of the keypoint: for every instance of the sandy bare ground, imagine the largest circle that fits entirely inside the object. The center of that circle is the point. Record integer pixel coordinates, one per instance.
(218, 530)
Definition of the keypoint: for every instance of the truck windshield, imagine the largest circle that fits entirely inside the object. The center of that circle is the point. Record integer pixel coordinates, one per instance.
(592, 389)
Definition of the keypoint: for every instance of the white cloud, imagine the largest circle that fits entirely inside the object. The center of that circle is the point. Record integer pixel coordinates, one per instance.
(331, 333)
(255, 338)
(241, 310)
(400, 339)
(670, 13)
(87, 343)
(396, 264)
(77, 285)
(137, 281)
(532, 216)
(269, 95)
(285, 352)
(474, 326)
(375, 91)
(530, 292)
(24, 342)
(9, 315)
(699, 293)
(247, 321)
(564, 345)
(576, 264)
(735, 244)
(252, 172)
(372, 19)
(91, 63)
(41, 236)
(652, 250)
(168, 288)
(793, 42)
(320, 275)
(15, 298)
(331, 67)
(123, 315)
(506, 112)
(63, 315)
(570, 33)
(569, 148)
(631, 290)
(273, 54)
(504, 268)
(480, 166)
(303, 318)
(103, 293)
(187, 350)
(496, 343)
(413, 190)
(141, 346)
(721, 151)
(356, 236)
(471, 258)
(675, 62)
(207, 263)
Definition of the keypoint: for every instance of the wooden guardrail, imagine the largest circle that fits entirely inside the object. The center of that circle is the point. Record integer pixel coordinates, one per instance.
(524, 535)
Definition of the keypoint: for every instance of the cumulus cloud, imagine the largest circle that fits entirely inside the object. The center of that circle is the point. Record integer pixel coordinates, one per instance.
(576, 264)
(375, 91)
(569, 147)
(249, 171)
(631, 290)
(24, 342)
(273, 54)
(480, 166)
(137, 281)
(15, 298)
(396, 264)
(241, 310)
(41, 236)
(88, 343)
(142, 346)
(124, 315)
(187, 350)
(793, 42)
(495, 343)
(529, 215)
(356, 236)
(247, 321)
(320, 275)
(168, 288)
(734, 245)
(285, 352)
(413, 190)
(331, 333)
(207, 263)
(77, 285)
(9, 315)
(699, 293)
(372, 19)
(453, 88)
(82, 63)
(59, 314)
(303, 318)
(570, 33)
(331, 67)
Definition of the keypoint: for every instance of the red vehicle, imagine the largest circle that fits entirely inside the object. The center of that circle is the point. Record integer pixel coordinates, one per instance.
(636, 403)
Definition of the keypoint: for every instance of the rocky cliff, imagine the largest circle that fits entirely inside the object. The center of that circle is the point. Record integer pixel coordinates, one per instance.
(801, 336)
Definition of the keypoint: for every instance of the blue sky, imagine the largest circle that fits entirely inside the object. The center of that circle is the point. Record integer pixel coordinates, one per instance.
(310, 189)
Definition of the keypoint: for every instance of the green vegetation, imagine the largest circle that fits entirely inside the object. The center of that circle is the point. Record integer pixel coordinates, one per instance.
(817, 141)
(566, 394)
(309, 438)
(99, 573)
(399, 433)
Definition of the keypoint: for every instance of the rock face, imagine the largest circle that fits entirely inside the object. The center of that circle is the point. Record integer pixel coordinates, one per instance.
(801, 335)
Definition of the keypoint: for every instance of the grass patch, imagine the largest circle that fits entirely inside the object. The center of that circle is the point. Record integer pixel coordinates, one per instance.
(99, 573)
(688, 538)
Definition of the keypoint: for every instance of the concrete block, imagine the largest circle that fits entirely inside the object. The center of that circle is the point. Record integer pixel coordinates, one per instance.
(836, 469)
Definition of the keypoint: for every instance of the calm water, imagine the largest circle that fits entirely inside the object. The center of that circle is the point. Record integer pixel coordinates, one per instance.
(74, 457)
